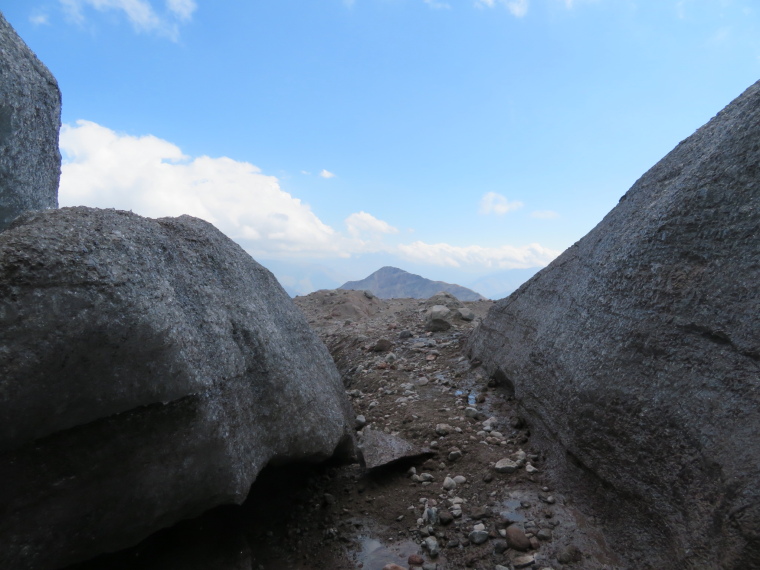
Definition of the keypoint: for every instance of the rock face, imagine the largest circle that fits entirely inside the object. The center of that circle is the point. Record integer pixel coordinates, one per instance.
(30, 118)
(636, 354)
(394, 283)
(149, 369)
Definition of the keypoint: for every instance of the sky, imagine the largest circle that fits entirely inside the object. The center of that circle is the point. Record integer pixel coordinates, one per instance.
(457, 140)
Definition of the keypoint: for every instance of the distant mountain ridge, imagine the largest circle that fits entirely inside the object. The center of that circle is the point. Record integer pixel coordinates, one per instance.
(393, 283)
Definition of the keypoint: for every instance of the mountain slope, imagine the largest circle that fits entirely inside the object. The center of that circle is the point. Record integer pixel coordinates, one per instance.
(392, 283)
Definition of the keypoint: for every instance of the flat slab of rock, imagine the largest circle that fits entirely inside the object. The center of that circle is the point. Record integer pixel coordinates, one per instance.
(149, 369)
(30, 118)
(378, 449)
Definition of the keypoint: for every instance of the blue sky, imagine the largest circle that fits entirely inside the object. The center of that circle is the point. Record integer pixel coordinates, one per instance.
(452, 139)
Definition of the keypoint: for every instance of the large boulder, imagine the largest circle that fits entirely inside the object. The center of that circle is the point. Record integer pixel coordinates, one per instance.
(30, 118)
(636, 354)
(149, 369)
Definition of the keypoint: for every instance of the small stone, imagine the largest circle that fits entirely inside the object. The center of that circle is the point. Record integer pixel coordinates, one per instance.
(454, 454)
(480, 513)
(505, 466)
(430, 515)
(479, 526)
(415, 560)
(361, 421)
(452, 543)
(488, 477)
(426, 477)
(432, 546)
(422, 381)
(460, 480)
(430, 566)
(499, 546)
(500, 567)
(471, 412)
(405, 334)
(449, 484)
(478, 536)
(445, 517)
(544, 534)
(516, 538)
(530, 469)
(382, 345)
(535, 544)
(523, 561)
(443, 429)
(393, 567)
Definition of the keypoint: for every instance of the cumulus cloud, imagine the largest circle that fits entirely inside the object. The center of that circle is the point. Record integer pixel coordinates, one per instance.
(152, 177)
(140, 13)
(493, 203)
(361, 223)
(326, 174)
(503, 257)
(544, 214)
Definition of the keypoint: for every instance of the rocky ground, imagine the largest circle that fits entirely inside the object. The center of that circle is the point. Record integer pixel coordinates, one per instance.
(471, 493)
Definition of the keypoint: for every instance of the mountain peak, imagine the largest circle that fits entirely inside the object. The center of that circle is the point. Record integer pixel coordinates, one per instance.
(391, 283)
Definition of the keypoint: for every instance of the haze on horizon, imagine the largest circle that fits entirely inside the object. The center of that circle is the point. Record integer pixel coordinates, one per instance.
(455, 140)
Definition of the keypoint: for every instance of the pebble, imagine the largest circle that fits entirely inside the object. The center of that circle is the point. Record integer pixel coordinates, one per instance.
(393, 567)
(430, 515)
(499, 546)
(471, 412)
(449, 484)
(361, 421)
(516, 538)
(478, 536)
(544, 534)
(443, 429)
(445, 517)
(415, 560)
(569, 554)
(432, 546)
(454, 454)
(430, 566)
(505, 466)
(530, 469)
(523, 561)
(479, 526)
(426, 477)
(500, 567)
(460, 480)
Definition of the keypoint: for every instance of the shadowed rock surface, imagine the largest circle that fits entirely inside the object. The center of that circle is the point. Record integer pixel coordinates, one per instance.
(637, 352)
(30, 117)
(394, 283)
(149, 369)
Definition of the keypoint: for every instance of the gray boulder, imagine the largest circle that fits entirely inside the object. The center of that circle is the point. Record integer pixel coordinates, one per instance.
(438, 318)
(636, 354)
(149, 369)
(30, 118)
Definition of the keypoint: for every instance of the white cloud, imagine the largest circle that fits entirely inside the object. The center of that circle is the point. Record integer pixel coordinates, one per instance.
(503, 257)
(183, 9)
(39, 19)
(152, 177)
(518, 8)
(140, 13)
(326, 174)
(493, 203)
(362, 222)
(544, 214)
